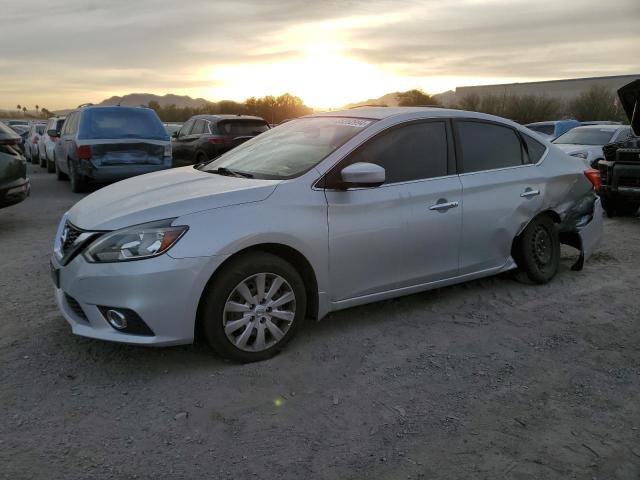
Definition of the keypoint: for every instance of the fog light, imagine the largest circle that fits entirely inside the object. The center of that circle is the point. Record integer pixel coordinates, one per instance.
(116, 319)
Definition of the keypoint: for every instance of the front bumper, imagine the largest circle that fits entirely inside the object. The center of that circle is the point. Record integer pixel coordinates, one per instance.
(15, 192)
(163, 291)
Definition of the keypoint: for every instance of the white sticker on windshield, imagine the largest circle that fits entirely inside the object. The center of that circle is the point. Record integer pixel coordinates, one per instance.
(353, 122)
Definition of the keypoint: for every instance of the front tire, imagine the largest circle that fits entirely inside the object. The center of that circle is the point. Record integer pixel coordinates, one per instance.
(78, 182)
(51, 166)
(619, 207)
(537, 250)
(60, 175)
(253, 308)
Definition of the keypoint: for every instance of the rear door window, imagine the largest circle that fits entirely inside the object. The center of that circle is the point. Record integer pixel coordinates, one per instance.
(488, 146)
(242, 128)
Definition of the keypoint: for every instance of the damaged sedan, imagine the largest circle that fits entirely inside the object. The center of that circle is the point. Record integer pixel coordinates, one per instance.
(319, 214)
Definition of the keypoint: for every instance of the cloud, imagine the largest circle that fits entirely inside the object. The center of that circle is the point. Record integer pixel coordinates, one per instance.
(78, 50)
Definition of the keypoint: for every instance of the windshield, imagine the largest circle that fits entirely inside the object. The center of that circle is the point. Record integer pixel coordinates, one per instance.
(119, 122)
(586, 136)
(290, 149)
(546, 129)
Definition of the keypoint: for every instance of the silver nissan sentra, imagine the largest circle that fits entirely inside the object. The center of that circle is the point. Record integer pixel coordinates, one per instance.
(319, 214)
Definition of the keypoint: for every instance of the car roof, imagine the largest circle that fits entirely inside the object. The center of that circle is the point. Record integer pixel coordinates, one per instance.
(380, 113)
(602, 127)
(214, 117)
(552, 122)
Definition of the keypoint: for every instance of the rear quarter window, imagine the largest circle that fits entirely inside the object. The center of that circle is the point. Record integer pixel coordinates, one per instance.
(488, 146)
(535, 149)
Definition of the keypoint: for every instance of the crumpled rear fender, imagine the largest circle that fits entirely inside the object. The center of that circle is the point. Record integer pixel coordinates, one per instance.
(583, 231)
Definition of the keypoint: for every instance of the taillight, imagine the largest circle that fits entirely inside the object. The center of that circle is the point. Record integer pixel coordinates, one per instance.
(84, 152)
(594, 177)
(219, 140)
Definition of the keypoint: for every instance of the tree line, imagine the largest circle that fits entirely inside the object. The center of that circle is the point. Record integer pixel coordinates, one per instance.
(597, 103)
(273, 109)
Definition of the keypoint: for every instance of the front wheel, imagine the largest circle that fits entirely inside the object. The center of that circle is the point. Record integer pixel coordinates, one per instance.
(78, 182)
(537, 250)
(253, 307)
(619, 207)
(51, 166)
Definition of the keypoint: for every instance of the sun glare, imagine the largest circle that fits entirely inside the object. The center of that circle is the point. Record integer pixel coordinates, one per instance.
(321, 75)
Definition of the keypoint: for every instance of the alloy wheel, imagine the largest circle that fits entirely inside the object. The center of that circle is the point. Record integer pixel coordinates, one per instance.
(259, 312)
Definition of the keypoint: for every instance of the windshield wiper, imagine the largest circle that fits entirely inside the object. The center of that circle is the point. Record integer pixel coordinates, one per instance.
(231, 173)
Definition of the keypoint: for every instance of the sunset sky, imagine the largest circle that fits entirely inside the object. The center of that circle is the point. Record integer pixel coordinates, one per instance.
(59, 53)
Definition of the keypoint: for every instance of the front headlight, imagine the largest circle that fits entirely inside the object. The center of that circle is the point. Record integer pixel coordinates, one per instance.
(135, 243)
(582, 155)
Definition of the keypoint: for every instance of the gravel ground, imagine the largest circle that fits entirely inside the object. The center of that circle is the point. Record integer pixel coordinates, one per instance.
(490, 379)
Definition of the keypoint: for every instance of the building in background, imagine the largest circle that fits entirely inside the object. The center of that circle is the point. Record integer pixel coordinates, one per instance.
(560, 89)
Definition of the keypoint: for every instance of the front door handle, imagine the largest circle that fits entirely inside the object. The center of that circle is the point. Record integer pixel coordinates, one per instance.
(443, 205)
(529, 192)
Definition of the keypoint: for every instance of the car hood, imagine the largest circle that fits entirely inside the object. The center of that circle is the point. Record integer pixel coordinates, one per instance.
(164, 194)
(628, 96)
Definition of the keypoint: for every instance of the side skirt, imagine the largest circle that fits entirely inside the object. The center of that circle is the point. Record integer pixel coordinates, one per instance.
(399, 292)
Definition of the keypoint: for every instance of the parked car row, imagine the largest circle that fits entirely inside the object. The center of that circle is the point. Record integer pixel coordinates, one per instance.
(110, 143)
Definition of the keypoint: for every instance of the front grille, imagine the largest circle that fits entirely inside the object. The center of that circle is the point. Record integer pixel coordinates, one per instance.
(72, 234)
(629, 182)
(75, 306)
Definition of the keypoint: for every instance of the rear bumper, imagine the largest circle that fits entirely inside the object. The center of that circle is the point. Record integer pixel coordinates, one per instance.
(620, 179)
(14, 192)
(591, 234)
(112, 173)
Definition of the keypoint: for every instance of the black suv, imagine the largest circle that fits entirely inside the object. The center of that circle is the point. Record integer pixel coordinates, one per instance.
(204, 137)
(620, 171)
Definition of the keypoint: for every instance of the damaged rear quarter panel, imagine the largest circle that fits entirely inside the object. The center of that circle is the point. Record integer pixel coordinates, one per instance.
(570, 197)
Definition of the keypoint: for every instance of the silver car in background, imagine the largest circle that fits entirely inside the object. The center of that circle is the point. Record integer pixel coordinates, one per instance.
(586, 142)
(319, 214)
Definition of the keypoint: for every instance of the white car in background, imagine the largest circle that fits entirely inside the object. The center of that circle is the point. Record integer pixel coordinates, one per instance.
(586, 142)
(36, 129)
(48, 143)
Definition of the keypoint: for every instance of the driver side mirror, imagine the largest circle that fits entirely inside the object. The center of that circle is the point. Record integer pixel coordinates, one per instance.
(53, 132)
(362, 174)
(174, 134)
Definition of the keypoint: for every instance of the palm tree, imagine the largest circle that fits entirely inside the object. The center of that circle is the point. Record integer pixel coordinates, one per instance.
(24, 110)
(19, 107)
(37, 107)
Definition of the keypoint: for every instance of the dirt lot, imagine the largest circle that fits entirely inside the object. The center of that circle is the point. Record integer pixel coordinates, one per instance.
(491, 379)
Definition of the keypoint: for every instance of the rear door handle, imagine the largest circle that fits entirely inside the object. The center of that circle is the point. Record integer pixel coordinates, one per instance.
(529, 192)
(443, 205)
